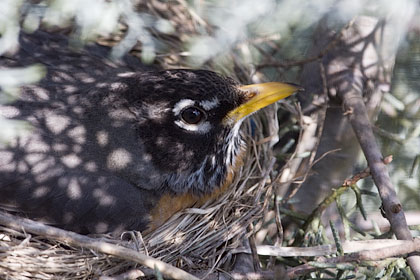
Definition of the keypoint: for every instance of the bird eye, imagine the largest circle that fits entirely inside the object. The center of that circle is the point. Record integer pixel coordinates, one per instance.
(192, 115)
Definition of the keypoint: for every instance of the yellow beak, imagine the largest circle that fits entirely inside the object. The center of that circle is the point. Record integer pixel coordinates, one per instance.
(260, 96)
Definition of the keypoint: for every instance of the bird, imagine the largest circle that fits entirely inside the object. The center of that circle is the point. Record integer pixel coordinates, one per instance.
(128, 151)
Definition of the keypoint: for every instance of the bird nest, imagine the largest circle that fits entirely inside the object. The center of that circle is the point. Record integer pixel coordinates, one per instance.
(198, 240)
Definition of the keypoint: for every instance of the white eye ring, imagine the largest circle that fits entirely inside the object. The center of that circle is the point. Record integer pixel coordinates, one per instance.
(181, 105)
(202, 128)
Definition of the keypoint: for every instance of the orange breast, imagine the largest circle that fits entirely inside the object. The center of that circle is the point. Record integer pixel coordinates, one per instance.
(169, 204)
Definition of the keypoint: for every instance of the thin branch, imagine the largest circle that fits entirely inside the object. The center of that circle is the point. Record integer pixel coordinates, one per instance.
(75, 239)
(365, 255)
(356, 252)
(364, 174)
(131, 274)
(320, 121)
(253, 247)
(279, 225)
(356, 110)
(317, 212)
(349, 247)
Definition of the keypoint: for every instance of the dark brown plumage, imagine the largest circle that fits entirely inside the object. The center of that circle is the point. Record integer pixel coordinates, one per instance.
(111, 150)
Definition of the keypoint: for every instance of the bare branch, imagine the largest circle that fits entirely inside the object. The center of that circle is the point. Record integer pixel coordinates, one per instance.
(358, 116)
(355, 252)
(79, 240)
(365, 255)
(349, 247)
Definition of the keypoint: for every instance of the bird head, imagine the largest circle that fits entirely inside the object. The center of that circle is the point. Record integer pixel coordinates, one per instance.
(189, 123)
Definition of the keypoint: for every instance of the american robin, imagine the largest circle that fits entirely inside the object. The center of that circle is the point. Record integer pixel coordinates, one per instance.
(127, 152)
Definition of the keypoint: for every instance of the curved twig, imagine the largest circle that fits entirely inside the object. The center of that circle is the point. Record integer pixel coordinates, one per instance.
(98, 245)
